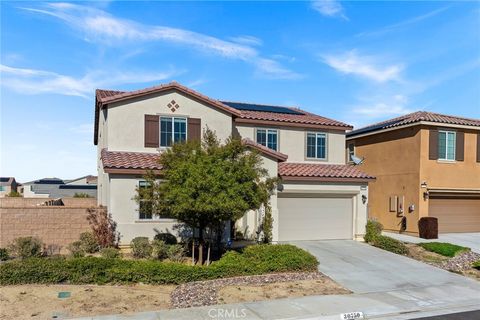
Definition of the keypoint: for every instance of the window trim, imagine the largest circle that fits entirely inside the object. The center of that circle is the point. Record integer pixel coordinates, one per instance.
(316, 133)
(349, 159)
(173, 117)
(446, 146)
(268, 129)
(154, 218)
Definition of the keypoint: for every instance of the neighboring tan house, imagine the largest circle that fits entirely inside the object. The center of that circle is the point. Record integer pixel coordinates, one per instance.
(7, 185)
(425, 164)
(58, 188)
(320, 197)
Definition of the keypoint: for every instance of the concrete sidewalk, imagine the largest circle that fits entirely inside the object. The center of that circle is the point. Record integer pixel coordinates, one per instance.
(469, 240)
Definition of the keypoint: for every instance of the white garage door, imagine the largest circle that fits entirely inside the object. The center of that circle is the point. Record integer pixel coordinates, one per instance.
(314, 217)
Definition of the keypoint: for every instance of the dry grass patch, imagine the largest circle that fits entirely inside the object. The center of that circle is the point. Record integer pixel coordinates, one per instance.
(292, 289)
(42, 302)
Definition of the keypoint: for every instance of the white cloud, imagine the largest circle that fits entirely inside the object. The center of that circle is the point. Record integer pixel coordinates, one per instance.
(85, 128)
(405, 23)
(32, 81)
(329, 8)
(247, 40)
(99, 26)
(365, 66)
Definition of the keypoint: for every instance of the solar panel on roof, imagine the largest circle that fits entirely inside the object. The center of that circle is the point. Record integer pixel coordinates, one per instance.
(374, 127)
(260, 107)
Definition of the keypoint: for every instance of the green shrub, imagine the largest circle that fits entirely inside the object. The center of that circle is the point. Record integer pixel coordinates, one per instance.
(168, 238)
(373, 229)
(4, 256)
(159, 249)
(27, 247)
(390, 244)
(253, 260)
(141, 247)
(476, 265)
(110, 253)
(175, 252)
(89, 243)
(443, 248)
(76, 249)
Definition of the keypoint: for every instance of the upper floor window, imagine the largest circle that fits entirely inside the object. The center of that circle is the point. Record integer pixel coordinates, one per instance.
(268, 138)
(145, 206)
(316, 145)
(351, 151)
(446, 145)
(172, 130)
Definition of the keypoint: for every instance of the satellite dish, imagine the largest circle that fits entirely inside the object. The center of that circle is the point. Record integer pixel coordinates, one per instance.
(356, 160)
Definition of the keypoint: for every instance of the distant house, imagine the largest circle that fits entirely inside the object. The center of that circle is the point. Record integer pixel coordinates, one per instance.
(427, 165)
(58, 188)
(7, 185)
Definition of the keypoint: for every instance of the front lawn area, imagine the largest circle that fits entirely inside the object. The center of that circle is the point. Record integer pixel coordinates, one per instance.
(444, 248)
(253, 260)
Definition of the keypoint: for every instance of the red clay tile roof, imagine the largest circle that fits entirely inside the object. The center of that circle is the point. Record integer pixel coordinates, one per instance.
(315, 170)
(305, 118)
(416, 117)
(129, 160)
(272, 153)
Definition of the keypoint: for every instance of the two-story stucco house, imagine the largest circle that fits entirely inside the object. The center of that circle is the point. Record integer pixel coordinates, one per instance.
(320, 197)
(425, 164)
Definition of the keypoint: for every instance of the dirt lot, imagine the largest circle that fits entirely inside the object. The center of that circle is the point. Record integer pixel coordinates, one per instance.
(233, 294)
(42, 302)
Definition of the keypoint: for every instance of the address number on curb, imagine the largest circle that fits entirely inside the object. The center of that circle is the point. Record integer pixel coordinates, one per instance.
(352, 316)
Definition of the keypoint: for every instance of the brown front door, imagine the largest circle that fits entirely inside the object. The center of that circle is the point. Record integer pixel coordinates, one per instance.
(456, 214)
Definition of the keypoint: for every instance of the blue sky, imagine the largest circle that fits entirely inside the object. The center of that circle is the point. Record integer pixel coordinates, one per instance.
(358, 62)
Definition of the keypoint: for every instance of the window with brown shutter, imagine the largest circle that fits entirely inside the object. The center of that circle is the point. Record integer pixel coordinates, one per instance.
(151, 131)
(433, 144)
(460, 146)
(194, 129)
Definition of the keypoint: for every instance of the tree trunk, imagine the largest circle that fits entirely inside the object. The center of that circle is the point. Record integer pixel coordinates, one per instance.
(200, 245)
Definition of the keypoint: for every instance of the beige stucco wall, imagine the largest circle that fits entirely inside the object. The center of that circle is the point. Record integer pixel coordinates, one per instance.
(124, 210)
(292, 142)
(394, 159)
(399, 160)
(126, 120)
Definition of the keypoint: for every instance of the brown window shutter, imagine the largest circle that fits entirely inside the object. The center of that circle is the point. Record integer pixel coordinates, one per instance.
(459, 146)
(194, 129)
(433, 144)
(151, 131)
(478, 147)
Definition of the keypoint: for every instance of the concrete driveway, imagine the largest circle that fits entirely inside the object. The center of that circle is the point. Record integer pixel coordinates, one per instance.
(470, 240)
(366, 269)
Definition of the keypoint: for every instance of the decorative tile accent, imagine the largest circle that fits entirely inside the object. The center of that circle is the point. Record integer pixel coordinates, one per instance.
(173, 106)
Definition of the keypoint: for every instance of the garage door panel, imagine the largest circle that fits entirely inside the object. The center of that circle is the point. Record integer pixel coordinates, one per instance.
(315, 218)
(456, 215)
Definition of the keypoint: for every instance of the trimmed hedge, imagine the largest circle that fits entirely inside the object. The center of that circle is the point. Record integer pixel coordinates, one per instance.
(253, 260)
(443, 248)
(390, 244)
(373, 229)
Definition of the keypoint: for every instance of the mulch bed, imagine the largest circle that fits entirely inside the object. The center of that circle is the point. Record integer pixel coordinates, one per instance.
(204, 293)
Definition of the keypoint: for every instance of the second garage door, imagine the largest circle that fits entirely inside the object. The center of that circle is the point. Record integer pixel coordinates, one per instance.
(314, 217)
(455, 214)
